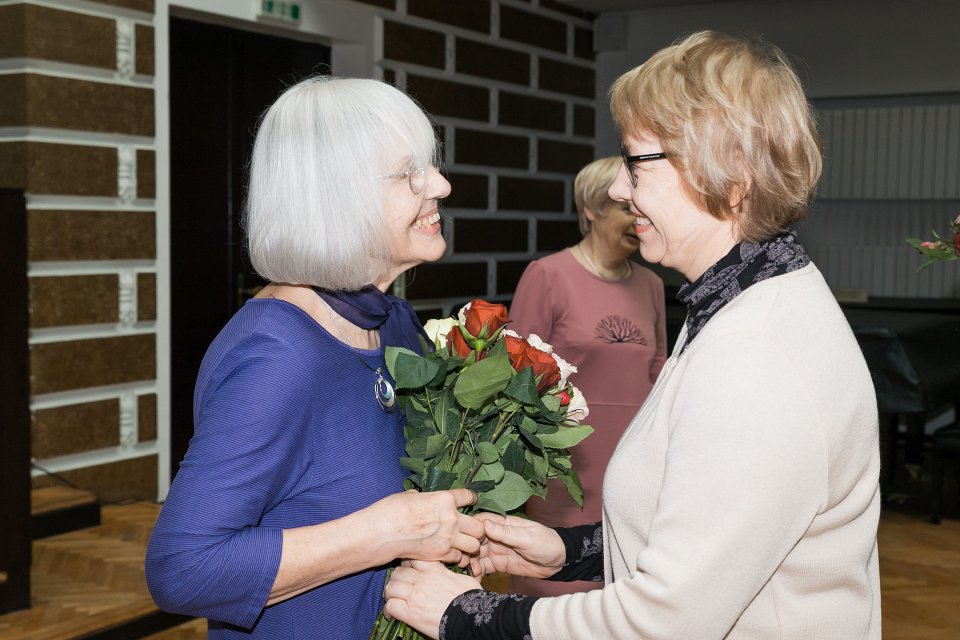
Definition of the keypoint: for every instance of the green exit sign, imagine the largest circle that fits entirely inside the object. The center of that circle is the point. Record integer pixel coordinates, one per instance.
(279, 10)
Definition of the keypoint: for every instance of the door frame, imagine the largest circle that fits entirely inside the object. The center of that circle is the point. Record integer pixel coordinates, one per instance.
(352, 31)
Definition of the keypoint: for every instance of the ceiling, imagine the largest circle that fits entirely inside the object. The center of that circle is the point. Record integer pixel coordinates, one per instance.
(604, 6)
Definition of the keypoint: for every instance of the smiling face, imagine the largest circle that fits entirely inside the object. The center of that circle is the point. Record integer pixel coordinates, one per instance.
(613, 230)
(413, 220)
(673, 229)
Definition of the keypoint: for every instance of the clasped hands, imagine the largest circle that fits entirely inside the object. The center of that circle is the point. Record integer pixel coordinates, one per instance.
(419, 591)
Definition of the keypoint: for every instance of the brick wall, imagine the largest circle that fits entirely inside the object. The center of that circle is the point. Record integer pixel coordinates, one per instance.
(77, 135)
(511, 85)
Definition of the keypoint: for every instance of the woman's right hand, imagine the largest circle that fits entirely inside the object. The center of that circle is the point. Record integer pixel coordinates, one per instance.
(427, 526)
(519, 547)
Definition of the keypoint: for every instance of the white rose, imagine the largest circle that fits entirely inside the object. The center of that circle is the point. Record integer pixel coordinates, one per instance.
(565, 369)
(437, 330)
(510, 332)
(462, 314)
(577, 409)
(537, 343)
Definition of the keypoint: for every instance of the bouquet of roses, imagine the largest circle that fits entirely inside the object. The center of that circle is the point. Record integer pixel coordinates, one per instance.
(488, 410)
(940, 249)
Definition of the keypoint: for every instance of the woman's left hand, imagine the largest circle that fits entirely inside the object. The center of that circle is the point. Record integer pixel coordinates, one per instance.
(419, 592)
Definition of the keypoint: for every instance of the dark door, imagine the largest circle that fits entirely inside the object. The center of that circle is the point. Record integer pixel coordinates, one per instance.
(15, 548)
(221, 80)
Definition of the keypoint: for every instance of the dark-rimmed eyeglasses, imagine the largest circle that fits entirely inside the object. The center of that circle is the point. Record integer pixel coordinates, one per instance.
(416, 177)
(629, 161)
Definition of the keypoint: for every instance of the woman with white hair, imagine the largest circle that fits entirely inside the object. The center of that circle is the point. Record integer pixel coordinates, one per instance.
(289, 500)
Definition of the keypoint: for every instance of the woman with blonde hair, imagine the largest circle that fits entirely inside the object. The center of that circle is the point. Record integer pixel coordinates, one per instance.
(605, 314)
(742, 501)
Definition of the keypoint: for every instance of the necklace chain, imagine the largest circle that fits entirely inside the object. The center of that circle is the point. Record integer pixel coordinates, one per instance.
(382, 389)
(593, 267)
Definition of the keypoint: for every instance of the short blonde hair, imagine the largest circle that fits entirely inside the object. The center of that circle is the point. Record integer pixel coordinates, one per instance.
(733, 119)
(590, 188)
(315, 208)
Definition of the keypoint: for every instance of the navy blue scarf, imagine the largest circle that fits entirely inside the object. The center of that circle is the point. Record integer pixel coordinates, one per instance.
(747, 264)
(369, 308)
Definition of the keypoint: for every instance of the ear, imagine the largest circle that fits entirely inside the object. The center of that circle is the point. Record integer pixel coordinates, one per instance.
(738, 194)
(591, 214)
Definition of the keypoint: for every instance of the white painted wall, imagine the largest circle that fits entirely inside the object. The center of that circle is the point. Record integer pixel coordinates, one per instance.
(845, 47)
(886, 75)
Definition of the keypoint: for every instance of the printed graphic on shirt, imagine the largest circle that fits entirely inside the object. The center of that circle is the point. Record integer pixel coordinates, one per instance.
(618, 329)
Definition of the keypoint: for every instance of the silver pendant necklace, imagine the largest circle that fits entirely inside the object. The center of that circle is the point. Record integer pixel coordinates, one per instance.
(382, 389)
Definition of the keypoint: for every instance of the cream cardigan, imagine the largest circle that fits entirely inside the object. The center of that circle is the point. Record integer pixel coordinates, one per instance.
(743, 500)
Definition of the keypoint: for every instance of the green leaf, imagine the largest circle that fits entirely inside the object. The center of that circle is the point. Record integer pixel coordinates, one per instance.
(409, 370)
(523, 387)
(537, 466)
(571, 481)
(533, 440)
(480, 381)
(447, 414)
(512, 458)
(494, 472)
(511, 492)
(437, 479)
(481, 486)
(416, 465)
(565, 437)
(488, 452)
(529, 424)
(552, 403)
(427, 447)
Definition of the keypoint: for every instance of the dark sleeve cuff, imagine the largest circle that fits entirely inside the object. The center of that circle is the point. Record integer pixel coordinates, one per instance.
(485, 615)
(584, 553)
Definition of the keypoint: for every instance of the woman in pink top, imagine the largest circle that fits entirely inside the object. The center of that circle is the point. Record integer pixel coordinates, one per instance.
(605, 315)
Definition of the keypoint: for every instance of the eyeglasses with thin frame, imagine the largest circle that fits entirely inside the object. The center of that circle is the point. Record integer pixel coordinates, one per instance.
(416, 177)
(629, 161)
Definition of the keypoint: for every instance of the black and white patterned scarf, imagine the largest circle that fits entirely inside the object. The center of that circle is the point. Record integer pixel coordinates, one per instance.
(747, 263)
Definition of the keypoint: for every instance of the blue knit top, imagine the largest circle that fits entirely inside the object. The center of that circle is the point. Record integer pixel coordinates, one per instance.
(288, 433)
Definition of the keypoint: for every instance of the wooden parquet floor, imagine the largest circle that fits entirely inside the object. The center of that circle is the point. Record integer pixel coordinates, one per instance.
(919, 577)
(90, 580)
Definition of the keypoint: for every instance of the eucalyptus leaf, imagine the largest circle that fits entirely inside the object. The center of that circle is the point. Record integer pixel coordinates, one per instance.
(480, 381)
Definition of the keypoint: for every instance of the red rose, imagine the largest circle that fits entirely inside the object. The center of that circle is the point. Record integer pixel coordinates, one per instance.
(483, 314)
(522, 355)
(564, 398)
(457, 344)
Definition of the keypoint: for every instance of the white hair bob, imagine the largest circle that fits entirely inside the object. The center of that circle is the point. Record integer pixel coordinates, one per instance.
(315, 207)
